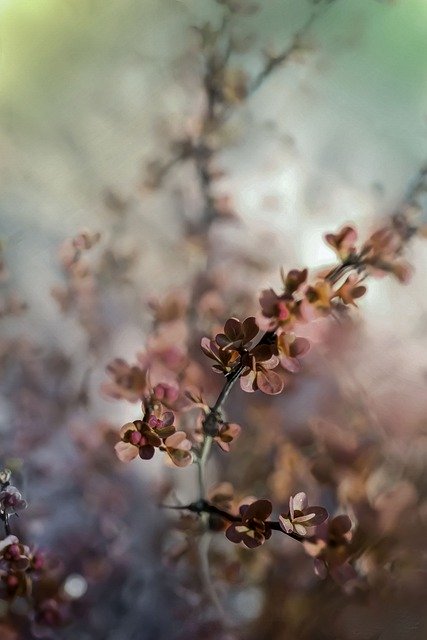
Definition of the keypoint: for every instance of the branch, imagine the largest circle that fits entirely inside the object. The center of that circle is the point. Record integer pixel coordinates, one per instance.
(276, 61)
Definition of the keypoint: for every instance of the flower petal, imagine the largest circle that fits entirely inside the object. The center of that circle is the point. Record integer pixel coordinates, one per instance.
(286, 524)
(317, 515)
(269, 382)
(247, 382)
(320, 568)
(232, 534)
(260, 509)
(126, 451)
(299, 501)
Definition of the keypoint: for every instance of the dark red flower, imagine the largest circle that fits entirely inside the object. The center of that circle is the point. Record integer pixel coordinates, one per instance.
(237, 334)
(225, 359)
(252, 529)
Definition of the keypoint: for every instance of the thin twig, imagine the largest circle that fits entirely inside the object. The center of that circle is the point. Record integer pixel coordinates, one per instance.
(204, 507)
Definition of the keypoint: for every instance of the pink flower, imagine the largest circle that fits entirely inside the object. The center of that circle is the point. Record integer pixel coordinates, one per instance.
(166, 393)
(275, 310)
(178, 448)
(11, 499)
(142, 437)
(301, 517)
(258, 372)
(290, 350)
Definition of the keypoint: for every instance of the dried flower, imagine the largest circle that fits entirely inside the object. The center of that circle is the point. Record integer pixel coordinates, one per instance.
(287, 308)
(319, 296)
(16, 583)
(49, 614)
(300, 516)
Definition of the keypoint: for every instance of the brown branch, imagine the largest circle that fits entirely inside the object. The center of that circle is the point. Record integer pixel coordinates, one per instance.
(275, 61)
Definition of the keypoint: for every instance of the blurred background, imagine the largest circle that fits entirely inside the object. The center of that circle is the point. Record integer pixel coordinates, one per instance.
(100, 104)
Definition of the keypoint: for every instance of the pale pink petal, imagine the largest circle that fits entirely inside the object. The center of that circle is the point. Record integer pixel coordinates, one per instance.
(286, 524)
(247, 382)
(269, 382)
(126, 451)
(300, 501)
(8, 541)
(290, 364)
(129, 426)
(178, 440)
(300, 529)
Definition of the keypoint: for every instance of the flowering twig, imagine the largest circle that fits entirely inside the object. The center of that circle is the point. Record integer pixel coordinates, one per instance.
(205, 507)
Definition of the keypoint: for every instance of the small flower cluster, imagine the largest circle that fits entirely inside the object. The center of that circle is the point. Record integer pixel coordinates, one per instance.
(156, 430)
(18, 565)
(11, 500)
(23, 568)
(79, 293)
(233, 348)
(340, 286)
